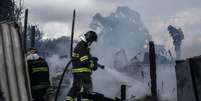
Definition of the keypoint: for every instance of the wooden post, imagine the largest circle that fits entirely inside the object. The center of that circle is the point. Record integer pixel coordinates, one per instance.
(152, 61)
(123, 92)
(25, 31)
(33, 36)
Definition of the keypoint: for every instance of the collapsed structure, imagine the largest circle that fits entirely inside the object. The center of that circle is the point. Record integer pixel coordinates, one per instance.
(177, 36)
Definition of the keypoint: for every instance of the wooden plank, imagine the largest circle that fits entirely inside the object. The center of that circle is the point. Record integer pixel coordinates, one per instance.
(123, 92)
(25, 31)
(152, 61)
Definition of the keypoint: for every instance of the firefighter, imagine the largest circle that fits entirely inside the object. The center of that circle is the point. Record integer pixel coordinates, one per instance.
(39, 75)
(83, 64)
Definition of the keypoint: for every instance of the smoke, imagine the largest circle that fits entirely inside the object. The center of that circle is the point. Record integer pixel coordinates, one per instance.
(121, 30)
(136, 87)
(177, 36)
(109, 81)
(120, 59)
(166, 82)
(56, 68)
(124, 30)
(56, 64)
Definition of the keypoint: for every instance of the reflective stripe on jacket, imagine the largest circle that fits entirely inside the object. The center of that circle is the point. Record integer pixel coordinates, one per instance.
(81, 70)
(81, 58)
(39, 69)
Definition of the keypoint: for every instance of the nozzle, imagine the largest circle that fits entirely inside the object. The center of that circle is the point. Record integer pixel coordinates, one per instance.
(101, 66)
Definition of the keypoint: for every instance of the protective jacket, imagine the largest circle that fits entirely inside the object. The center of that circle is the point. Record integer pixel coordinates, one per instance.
(39, 72)
(83, 62)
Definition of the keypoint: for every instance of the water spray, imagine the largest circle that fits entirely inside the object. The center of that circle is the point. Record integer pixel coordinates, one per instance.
(134, 87)
(122, 77)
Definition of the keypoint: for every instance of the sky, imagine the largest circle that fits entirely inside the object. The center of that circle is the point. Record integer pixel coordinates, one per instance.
(54, 18)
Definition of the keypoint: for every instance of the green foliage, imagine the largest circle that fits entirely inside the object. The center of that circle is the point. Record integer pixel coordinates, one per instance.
(49, 47)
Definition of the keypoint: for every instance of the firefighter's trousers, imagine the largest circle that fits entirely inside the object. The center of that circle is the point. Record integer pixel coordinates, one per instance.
(80, 80)
(38, 95)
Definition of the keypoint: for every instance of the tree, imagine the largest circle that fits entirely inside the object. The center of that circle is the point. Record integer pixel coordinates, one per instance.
(10, 10)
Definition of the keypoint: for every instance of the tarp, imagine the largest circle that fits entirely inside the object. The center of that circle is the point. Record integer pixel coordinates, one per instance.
(12, 69)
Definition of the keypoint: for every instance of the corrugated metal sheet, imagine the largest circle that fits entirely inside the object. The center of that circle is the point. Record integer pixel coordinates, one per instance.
(195, 64)
(189, 79)
(185, 90)
(13, 75)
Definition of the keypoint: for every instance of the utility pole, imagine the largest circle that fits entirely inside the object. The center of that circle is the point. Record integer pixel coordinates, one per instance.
(152, 62)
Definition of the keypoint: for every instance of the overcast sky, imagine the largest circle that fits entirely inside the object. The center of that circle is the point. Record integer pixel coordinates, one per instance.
(54, 17)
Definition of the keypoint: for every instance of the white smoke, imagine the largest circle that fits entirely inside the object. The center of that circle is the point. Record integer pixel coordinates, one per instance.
(109, 81)
(56, 68)
(56, 64)
(125, 35)
(122, 29)
(166, 82)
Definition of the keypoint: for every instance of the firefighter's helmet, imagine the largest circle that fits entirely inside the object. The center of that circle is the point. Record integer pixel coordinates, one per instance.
(33, 50)
(91, 36)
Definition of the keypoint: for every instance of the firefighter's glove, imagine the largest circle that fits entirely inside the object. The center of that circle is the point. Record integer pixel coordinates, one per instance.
(94, 63)
(94, 59)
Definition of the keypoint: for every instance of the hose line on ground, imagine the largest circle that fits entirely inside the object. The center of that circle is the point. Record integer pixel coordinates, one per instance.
(61, 80)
